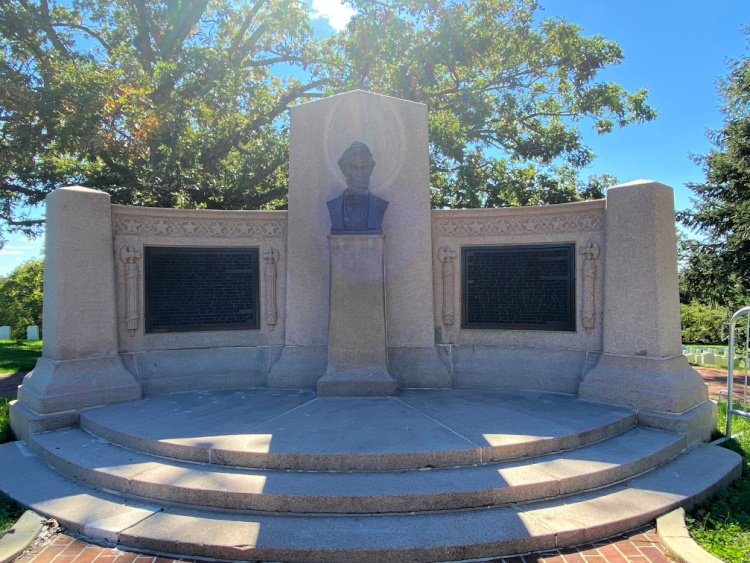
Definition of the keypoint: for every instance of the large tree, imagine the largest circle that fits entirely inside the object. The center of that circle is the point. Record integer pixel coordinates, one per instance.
(21, 297)
(178, 103)
(183, 103)
(506, 92)
(717, 266)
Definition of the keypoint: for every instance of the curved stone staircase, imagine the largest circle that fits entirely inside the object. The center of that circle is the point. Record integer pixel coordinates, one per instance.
(428, 475)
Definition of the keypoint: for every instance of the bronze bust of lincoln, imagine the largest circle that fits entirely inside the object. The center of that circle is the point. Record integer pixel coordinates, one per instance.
(357, 211)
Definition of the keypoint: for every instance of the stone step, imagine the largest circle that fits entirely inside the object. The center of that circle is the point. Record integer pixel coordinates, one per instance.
(431, 536)
(102, 465)
(292, 429)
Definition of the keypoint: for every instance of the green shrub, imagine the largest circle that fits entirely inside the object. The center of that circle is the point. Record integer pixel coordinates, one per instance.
(701, 324)
(6, 434)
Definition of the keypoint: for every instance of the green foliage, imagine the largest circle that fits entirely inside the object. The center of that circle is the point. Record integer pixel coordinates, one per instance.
(21, 297)
(701, 324)
(6, 434)
(506, 92)
(20, 355)
(722, 200)
(184, 103)
(9, 513)
(722, 526)
(158, 103)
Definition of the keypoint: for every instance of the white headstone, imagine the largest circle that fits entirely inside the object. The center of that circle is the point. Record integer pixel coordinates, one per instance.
(4, 333)
(32, 332)
(708, 358)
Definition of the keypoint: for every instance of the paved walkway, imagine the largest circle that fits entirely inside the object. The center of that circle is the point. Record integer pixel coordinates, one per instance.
(716, 380)
(9, 384)
(640, 546)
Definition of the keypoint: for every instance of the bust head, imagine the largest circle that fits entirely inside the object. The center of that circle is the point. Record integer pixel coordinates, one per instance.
(356, 164)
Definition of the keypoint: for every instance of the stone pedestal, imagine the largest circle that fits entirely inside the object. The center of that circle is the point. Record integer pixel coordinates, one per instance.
(642, 365)
(357, 357)
(80, 364)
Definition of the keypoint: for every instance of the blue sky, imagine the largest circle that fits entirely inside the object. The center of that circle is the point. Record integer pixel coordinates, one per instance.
(676, 49)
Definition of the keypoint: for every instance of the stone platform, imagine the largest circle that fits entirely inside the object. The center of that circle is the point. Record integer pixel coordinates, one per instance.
(428, 475)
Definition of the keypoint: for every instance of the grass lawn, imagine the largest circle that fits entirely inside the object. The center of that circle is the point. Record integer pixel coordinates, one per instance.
(18, 355)
(722, 525)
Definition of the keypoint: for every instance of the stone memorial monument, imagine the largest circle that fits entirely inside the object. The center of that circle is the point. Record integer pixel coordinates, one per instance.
(534, 354)
(357, 354)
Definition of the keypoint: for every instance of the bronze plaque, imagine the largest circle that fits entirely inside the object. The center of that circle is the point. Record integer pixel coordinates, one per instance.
(519, 287)
(190, 289)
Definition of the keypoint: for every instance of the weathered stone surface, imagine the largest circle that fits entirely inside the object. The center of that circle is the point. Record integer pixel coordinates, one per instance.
(282, 429)
(394, 537)
(170, 371)
(641, 308)
(102, 465)
(20, 536)
(396, 131)
(29, 481)
(79, 285)
(514, 367)
(357, 359)
(63, 385)
(697, 423)
(80, 366)
(677, 541)
(656, 384)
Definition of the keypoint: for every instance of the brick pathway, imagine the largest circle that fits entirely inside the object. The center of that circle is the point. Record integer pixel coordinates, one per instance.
(716, 380)
(640, 546)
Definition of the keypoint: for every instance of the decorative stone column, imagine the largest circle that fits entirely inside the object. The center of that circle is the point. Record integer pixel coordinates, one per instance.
(357, 357)
(642, 365)
(80, 365)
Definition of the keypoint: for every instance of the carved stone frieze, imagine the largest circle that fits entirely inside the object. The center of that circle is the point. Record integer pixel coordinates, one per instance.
(197, 227)
(270, 258)
(533, 224)
(590, 252)
(130, 257)
(447, 256)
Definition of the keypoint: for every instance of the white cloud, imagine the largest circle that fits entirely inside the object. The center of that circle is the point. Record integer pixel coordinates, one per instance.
(18, 247)
(336, 12)
(7, 252)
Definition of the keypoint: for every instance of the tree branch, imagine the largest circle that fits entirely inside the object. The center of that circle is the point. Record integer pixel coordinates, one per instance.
(143, 38)
(88, 31)
(247, 22)
(49, 30)
(171, 43)
(10, 186)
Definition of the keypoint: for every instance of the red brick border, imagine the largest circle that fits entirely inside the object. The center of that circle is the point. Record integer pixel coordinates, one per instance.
(638, 546)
